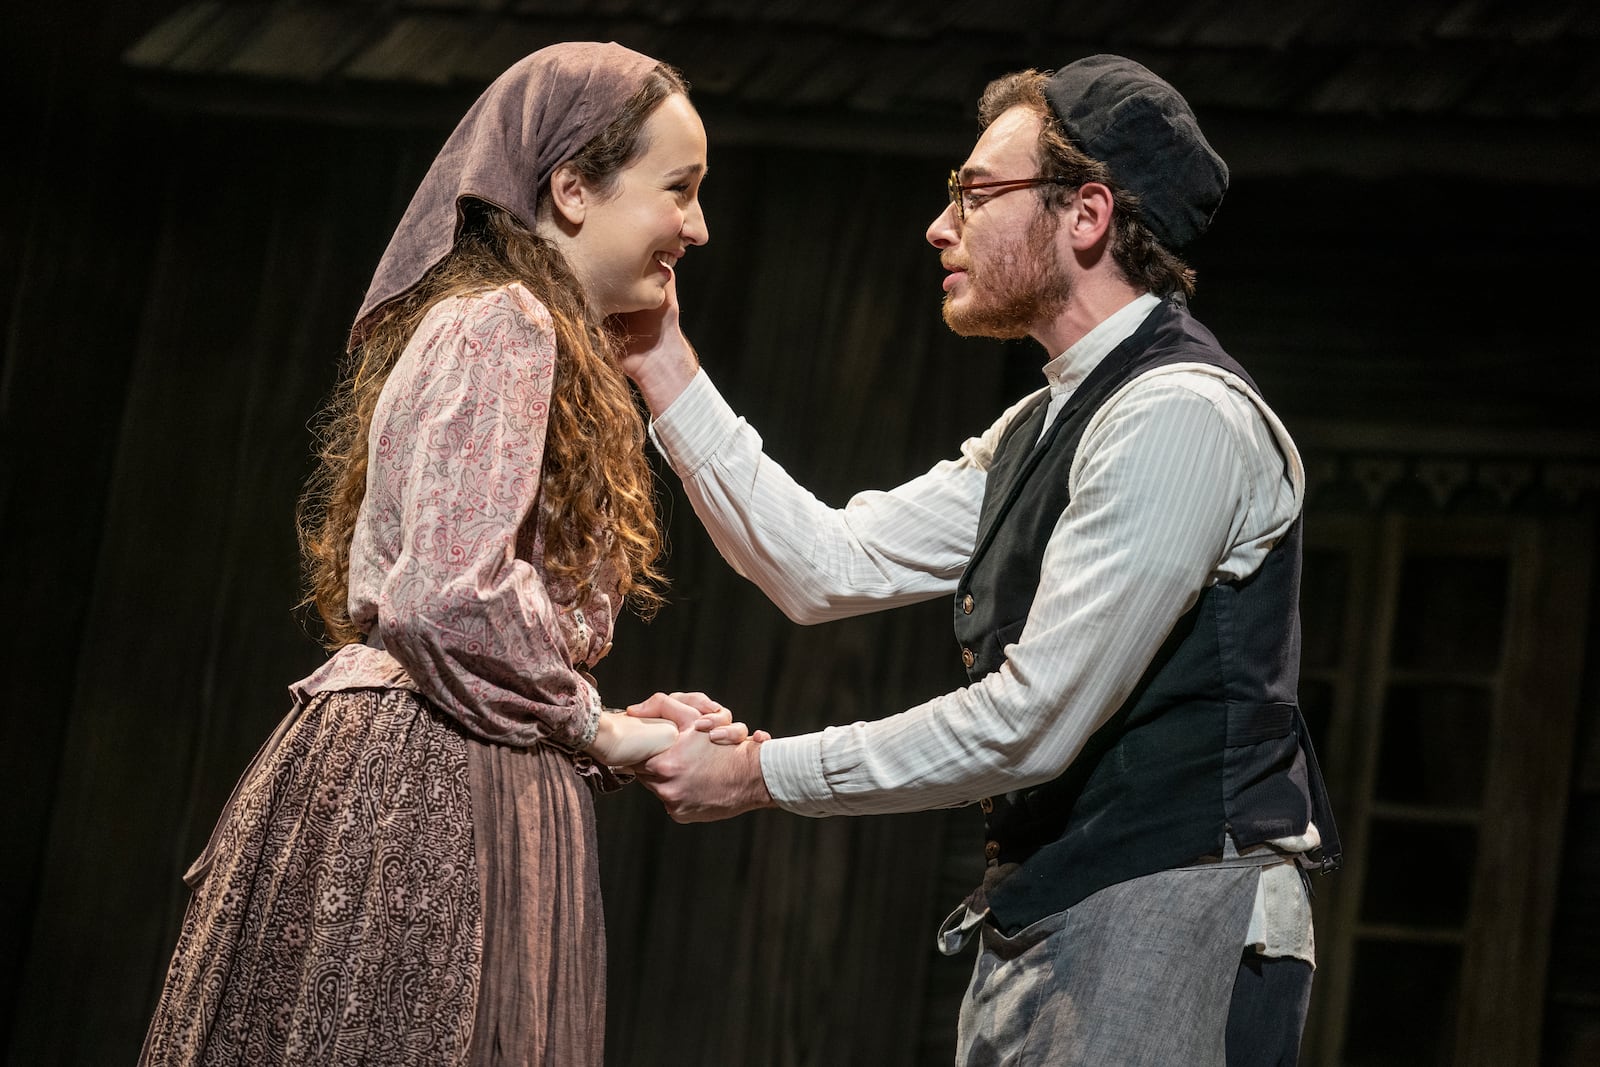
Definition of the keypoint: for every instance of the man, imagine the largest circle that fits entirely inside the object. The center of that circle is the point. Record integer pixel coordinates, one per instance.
(1123, 551)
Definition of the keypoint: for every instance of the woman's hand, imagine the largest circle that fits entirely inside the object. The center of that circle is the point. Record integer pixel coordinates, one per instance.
(626, 740)
(696, 711)
(720, 728)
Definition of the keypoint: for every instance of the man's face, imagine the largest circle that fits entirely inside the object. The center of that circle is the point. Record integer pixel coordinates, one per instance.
(1005, 275)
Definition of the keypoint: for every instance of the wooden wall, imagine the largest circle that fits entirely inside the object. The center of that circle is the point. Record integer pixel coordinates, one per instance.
(175, 290)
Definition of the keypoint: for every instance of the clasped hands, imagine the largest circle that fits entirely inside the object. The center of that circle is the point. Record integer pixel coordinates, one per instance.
(708, 767)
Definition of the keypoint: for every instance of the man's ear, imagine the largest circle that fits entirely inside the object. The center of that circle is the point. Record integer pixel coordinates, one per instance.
(569, 195)
(1092, 222)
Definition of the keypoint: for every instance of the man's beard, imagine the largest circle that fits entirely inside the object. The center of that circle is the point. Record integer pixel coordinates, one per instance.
(1022, 288)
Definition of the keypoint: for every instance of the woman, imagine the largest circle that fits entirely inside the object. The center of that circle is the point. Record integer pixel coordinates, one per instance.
(407, 872)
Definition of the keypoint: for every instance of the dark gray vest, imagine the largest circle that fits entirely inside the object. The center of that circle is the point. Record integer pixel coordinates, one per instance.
(1211, 740)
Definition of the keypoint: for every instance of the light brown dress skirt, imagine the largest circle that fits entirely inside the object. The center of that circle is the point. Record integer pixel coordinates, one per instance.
(384, 889)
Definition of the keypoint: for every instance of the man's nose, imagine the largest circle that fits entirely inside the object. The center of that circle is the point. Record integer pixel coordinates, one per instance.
(943, 231)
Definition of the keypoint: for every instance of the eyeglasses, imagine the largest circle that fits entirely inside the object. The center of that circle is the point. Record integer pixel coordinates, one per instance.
(958, 191)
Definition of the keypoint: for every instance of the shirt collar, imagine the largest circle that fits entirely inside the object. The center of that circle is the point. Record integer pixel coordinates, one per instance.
(1066, 371)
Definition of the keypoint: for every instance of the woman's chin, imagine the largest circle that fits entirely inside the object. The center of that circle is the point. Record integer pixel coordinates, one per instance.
(649, 301)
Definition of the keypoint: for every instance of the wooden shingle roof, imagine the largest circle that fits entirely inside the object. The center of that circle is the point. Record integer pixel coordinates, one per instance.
(1357, 85)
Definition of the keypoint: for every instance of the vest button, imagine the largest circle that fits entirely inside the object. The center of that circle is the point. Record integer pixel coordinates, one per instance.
(991, 850)
(966, 604)
(968, 658)
(986, 805)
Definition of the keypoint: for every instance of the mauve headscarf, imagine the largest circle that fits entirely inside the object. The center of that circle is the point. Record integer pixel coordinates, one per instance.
(533, 118)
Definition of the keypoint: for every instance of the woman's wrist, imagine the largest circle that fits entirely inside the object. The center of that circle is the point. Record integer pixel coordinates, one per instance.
(623, 741)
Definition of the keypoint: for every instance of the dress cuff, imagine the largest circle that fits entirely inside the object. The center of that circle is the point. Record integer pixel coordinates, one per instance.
(694, 426)
(792, 767)
(586, 722)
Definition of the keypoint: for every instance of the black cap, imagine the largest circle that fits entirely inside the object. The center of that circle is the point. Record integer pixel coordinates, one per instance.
(1118, 112)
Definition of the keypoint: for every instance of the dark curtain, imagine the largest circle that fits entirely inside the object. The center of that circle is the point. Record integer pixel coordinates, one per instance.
(178, 374)
(816, 311)
(174, 294)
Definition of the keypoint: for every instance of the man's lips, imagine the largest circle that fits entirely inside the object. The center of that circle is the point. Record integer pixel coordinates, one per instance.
(950, 279)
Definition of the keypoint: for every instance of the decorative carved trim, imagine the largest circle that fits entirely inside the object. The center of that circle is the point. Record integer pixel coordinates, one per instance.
(1349, 480)
(1447, 469)
(1573, 482)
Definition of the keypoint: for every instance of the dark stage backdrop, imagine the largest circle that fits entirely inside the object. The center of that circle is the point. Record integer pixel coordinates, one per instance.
(190, 371)
(175, 292)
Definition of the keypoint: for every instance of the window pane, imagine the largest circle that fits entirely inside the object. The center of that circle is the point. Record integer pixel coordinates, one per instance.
(1450, 613)
(1419, 874)
(1403, 1003)
(1435, 745)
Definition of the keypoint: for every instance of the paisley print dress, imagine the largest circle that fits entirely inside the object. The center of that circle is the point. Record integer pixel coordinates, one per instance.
(406, 874)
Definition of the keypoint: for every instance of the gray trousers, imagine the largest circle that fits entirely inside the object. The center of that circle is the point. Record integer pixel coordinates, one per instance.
(1141, 972)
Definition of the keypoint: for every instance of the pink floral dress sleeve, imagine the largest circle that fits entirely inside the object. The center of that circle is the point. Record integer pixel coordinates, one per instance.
(453, 474)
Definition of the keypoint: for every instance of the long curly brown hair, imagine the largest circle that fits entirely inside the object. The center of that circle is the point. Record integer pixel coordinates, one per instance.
(596, 510)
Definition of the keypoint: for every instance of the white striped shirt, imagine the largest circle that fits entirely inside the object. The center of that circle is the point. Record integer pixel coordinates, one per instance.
(1184, 478)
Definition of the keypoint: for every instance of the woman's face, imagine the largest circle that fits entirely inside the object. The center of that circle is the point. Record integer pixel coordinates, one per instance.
(627, 244)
